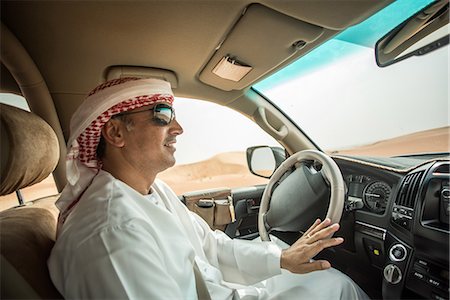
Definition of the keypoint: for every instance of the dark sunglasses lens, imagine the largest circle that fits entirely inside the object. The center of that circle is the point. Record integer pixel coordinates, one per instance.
(163, 114)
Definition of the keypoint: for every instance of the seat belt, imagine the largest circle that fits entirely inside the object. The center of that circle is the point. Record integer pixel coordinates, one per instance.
(202, 291)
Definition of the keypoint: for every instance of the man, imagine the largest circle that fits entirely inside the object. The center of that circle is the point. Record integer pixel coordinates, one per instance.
(124, 234)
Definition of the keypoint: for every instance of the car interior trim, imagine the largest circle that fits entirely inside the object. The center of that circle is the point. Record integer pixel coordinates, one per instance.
(374, 231)
(361, 161)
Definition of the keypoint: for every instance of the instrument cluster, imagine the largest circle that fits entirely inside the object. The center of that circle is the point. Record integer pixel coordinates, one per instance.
(373, 193)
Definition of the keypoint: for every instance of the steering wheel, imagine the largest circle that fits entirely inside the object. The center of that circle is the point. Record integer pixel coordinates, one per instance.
(298, 193)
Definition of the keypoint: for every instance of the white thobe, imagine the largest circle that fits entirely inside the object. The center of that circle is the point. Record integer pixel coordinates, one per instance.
(119, 244)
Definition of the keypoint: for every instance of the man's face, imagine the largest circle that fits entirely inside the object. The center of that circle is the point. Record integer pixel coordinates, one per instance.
(149, 146)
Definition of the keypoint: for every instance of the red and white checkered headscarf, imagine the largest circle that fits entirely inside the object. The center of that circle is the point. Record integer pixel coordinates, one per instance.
(110, 98)
(106, 100)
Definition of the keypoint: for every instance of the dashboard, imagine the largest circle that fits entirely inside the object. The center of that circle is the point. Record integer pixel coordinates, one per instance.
(399, 223)
(395, 225)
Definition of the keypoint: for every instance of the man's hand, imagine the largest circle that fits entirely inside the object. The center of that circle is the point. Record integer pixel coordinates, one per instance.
(297, 257)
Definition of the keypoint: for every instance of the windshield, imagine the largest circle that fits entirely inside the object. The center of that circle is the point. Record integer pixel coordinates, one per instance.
(348, 105)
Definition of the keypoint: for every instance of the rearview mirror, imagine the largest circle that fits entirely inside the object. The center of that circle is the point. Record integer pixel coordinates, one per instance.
(264, 160)
(424, 32)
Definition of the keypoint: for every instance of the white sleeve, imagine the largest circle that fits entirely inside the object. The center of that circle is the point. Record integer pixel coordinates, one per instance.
(240, 261)
(122, 262)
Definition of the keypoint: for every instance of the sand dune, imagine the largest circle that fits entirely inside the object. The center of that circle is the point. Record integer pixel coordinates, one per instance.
(223, 163)
(434, 140)
(230, 169)
(222, 170)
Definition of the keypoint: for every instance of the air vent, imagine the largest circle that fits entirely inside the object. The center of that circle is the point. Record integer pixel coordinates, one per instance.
(442, 169)
(408, 192)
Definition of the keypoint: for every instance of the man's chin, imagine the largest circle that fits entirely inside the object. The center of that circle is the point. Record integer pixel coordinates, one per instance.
(169, 163)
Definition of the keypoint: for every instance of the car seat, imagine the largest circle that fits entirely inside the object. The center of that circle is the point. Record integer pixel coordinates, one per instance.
(29, 152)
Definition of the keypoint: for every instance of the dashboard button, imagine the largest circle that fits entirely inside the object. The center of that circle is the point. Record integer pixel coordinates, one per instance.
(392, 274)
(420, 276)
(421, 265)
(397, 252)
(435, 283)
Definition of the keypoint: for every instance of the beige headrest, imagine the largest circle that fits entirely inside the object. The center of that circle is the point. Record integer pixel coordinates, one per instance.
(29, 149)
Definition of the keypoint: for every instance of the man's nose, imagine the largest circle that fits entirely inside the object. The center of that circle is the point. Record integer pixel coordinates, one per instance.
(175, 127)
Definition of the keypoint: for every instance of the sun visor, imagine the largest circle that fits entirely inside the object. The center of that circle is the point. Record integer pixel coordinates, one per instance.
(261, 40)
(114, 72)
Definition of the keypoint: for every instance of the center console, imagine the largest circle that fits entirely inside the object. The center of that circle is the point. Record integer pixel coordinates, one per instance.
(417, 242)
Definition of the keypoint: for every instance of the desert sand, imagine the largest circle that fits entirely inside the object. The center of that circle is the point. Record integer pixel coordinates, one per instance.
(434, 140)
(223, 170)
(230, 169)
(44, 188)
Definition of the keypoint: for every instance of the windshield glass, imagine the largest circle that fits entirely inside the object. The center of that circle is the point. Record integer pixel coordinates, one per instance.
(348, 105)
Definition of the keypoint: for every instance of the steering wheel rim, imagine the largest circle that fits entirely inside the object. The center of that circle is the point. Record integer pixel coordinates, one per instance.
(331, 173)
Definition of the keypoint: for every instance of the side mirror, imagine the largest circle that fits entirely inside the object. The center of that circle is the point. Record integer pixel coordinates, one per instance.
(264, 160)
(424, 32)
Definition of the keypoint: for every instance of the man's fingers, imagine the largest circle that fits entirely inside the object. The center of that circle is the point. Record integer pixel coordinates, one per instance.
(330, 243)
(324, 233)
(313, 249)
(314, 266)
(297, 257)
(319, 245)
(324, 224)
(310, 229)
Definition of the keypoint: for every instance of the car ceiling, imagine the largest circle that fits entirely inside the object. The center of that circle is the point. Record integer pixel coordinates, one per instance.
(74, 43)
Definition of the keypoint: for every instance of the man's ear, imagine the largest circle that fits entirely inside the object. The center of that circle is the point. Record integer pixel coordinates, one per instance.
(112, 132)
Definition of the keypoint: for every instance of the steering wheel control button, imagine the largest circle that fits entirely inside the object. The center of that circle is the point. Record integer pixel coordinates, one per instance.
(353, 203)
(392, 274)
(398, 252)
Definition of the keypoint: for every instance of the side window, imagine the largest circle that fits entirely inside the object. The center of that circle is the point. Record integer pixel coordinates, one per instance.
(44, 188)
(211, 153)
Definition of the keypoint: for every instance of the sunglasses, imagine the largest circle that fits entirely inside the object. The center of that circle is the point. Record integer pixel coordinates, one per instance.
(162, 115)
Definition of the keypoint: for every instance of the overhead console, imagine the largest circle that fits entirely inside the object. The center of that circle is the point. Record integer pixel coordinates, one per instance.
(274, 38)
